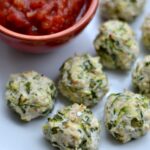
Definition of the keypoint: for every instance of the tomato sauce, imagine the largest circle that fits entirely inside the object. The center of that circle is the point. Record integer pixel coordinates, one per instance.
(39, 17)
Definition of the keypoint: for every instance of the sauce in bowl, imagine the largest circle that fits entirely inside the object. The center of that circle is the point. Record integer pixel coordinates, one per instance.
(40, 17)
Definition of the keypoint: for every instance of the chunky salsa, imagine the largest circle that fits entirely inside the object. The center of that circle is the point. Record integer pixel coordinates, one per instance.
(39, 17)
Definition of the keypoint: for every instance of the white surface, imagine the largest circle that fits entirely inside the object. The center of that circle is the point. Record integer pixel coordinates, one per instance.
(15, 135)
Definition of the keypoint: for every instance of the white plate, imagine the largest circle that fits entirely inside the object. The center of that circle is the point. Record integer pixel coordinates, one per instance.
(15, 135)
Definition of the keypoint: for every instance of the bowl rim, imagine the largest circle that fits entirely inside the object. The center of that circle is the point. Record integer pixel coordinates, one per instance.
(85, 19)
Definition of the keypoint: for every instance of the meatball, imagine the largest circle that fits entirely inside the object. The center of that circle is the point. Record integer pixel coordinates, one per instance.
(116, 45)
(141, 76)
(126, 10)
(73, 128)
(146, 32)
(82, 80)
(30, 94)
(127, 116)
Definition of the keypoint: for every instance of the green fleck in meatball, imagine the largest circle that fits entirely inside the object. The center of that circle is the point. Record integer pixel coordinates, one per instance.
(30, 94)
(73, 128)
(146, 32)
(141, 76)
(126, 10)
(82, 80)
(116, 45)
(127, 116)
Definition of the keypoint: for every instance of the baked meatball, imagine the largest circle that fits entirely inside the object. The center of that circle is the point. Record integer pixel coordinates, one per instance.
(30, 94)
(82, 80)
(116, 45)
(126, 10)
(73, 128)
(141, 76)
(146, 32)
(127, 116)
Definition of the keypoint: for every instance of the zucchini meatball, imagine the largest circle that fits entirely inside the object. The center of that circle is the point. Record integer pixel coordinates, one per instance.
(82, 80)
(73, 128)
(30, 94)
(116, 45)
(141, 76)
(127, 116)
(126, 10)
(146, 32)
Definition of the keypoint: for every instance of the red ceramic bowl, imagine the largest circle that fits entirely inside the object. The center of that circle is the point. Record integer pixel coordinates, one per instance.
(40, 44)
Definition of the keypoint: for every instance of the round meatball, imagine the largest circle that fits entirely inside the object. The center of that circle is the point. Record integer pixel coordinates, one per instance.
(82, 80)
(141, 76)
(146, 32)
(116, 45)
(73, 128)
(127, 116)
(30, 94)
(126, 10)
